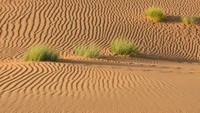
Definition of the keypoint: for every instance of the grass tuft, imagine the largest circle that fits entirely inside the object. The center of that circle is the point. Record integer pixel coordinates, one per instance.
(90, 51)
(123, 47)
(189, 20)
(155, 14)
(41, 53)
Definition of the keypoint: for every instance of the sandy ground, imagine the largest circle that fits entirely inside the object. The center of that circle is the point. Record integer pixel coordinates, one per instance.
(100, 87)
(167, 81)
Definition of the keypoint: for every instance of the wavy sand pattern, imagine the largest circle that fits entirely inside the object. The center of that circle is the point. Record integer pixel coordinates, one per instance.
(110, 84)
(99, 88)
(64, 23)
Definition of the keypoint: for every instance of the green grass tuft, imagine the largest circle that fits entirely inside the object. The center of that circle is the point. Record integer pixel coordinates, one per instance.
(80, 51)
(90, 51)
(123, 47)
(41, 53)
(155, 14)
(189, 20)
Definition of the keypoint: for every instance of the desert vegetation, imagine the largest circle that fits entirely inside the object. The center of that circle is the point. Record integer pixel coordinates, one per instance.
(155, 14)
(123, 47)
(189, 20)
(41, 53)
(90, 51)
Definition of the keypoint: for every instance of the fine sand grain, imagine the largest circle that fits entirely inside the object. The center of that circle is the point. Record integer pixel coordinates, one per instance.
(108, 84)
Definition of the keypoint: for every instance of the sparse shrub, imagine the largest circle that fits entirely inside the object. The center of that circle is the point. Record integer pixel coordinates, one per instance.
(155, 14)
(123, 47)
(41, 53)
(189, 20)
(90, 51)
(80, 51)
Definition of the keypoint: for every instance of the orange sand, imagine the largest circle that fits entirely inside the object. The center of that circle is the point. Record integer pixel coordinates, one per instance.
(107, 84)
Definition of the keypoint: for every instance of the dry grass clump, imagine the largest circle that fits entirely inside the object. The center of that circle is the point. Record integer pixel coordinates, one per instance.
(189, 20)
(123, 47)
(155, 14)
(41, 53)
(90, 51)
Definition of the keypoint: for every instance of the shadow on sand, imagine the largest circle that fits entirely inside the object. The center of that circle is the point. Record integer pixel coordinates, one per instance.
(178, 19)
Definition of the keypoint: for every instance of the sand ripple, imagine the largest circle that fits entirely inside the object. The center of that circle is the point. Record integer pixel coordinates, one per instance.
(65, 23)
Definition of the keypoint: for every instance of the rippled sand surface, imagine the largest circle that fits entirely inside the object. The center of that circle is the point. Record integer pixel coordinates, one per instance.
(104, 85)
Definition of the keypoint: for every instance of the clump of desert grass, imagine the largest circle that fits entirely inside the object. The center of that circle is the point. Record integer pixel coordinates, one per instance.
(90, 51)
(155, 14)
(41, 53)
(123, 47)
(189, 20)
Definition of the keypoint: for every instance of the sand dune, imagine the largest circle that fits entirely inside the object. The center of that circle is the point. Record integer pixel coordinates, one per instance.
(108, 84)
(99, 88)
(62, 24)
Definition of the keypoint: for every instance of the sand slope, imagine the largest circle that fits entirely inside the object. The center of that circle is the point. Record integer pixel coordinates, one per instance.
(65, 23)
(84, 87)
(105, 85)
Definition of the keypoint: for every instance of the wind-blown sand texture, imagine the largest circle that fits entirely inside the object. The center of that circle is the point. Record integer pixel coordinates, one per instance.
(105, 85)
